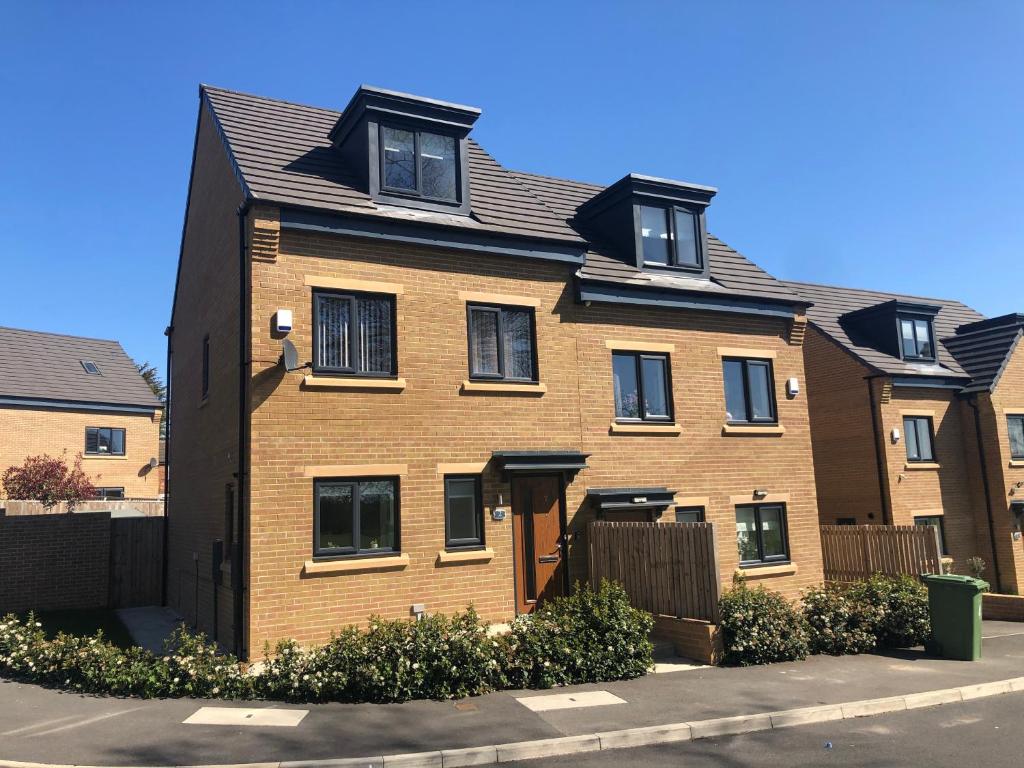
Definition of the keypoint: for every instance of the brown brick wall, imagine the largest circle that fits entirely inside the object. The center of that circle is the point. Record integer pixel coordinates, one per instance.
(839, 405)
(28, 432)
(50, 562)
(431, 422)
(203, 438)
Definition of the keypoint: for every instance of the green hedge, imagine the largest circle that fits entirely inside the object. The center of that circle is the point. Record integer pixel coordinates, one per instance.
(760, 627)
(587, 637)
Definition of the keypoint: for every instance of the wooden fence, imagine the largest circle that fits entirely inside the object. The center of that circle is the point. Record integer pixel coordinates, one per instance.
(136, 561)
(854, 552)
(669, 569)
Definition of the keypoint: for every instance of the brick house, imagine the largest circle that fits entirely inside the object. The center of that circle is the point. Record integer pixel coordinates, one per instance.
(72, 395)
(485, 360)
(902, 391)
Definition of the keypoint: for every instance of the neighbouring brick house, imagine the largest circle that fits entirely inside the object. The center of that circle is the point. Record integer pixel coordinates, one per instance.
(68, 395)
(485, 361)
(902, 390)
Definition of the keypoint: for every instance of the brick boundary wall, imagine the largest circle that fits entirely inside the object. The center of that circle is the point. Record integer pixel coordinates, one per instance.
(692, 639)
(50, 562)
(1002, 607)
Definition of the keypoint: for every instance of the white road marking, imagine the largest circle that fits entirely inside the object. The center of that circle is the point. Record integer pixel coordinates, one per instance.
(570, 700)
(87, 721)
(1008, 634)
(43, 724)
(269, 717)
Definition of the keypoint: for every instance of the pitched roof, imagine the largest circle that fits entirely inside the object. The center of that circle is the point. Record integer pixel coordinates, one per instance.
(984, 348)
(829, 303)
(48, 366)
(283, 155)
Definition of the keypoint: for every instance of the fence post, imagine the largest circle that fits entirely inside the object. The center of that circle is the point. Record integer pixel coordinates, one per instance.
(938, 549)
(716, 579)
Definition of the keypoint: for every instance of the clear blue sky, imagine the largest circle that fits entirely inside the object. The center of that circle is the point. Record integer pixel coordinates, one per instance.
(873, 144)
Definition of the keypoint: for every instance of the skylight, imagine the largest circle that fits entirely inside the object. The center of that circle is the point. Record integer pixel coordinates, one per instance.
(90, 367)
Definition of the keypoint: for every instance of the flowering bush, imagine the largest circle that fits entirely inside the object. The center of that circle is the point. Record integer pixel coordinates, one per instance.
(760, 627)
(49, 480)
(587, 637)
(903, 620)
(840, 622)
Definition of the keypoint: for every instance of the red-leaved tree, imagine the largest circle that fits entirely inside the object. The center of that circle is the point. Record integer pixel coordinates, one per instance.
(50, 481)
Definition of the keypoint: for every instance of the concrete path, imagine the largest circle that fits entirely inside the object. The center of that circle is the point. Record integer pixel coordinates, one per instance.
(38, 725)
(149, 626)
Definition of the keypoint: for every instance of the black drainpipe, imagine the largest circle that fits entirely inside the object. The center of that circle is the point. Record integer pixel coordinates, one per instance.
(167, 469)
(972, 401)
(238, 556)
(876, 429)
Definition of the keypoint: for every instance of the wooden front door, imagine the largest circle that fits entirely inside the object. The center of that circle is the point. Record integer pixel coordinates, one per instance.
(538, 526)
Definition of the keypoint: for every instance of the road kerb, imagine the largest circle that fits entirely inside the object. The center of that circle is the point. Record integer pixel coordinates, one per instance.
(641, 737)
(414, 760)
(982, 690)
(459, 758)
(565, 745)
(344, 762)
(807, 716)
(873, 706)
(933, 698)
(728, 726)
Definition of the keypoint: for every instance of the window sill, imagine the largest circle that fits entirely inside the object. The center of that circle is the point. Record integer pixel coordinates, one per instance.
(1016, 463)
(100, 457)
(912, 466)
(500, 387)
(753, 429)
(356, 565)
(757, 571)
(446, 557)
(354, 382)
(619, 428)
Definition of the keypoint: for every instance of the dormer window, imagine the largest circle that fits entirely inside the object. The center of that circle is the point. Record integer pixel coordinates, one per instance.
(419, 163)
(916, 339)
(670, 237)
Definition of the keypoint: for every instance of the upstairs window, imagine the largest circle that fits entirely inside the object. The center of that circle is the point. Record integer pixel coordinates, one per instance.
(419, 163)
(642, 387)
(104, 441)
(354, 334)
(916, 339)
(90, 367)
(918, 432)
(1016, 428)
(749, 391)
(502, 343)
(670, 237)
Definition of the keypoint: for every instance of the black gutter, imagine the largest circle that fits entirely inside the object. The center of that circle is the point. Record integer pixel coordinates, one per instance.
(238, 556)
(876, 429)
(972, 401)
(165, 570)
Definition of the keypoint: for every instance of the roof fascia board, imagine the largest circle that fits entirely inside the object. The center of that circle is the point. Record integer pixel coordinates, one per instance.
(78, 405)
(621, 294)
(419, 234)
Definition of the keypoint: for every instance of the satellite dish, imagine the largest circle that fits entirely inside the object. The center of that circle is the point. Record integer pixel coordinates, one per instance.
(154, 463)
(290, 357)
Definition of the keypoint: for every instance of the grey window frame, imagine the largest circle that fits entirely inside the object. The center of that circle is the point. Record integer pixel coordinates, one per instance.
(697, 509)
(773, 402)
(499, 310)
(640, 357)
(917, 434)
(673, 254)
(112, 430)
(343, 553)
(102, 493)
(941, 526)
(783, 518)
(1010, 417)
(417, 194)
(354, 336)
(206, 368)
(913, 319)
(451, 544)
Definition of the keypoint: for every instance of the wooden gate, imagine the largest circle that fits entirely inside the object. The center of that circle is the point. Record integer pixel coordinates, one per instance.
(669, 569)
(136, 561)
(855, 552)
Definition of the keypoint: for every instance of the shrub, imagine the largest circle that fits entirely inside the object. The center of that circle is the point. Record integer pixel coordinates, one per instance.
(839, 623)
(588, 637)
(976, 566)
(49, 480)
(902, 604)
(760, 627)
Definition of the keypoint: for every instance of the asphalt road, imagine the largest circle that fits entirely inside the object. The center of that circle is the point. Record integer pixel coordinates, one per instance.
(985, 732)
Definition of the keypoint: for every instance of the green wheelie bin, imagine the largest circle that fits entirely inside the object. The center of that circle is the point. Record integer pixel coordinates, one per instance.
(954, 603)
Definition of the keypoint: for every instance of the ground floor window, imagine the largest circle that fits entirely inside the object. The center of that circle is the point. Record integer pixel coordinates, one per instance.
(761, 533)
(355, 516)
(108, 493)
(935, 521)
(846, 521)
(689, 514)
(463, 512)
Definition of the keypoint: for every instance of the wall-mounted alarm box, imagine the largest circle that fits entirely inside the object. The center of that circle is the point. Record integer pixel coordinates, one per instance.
(283, 320)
